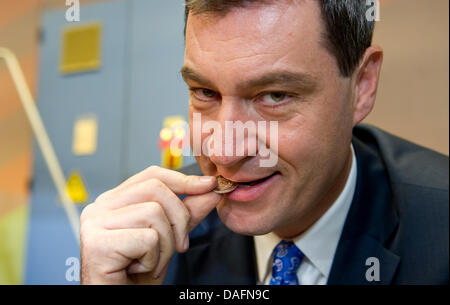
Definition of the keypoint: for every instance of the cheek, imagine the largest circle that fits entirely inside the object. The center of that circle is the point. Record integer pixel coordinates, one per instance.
(308, 141)
(337, 107)
(297, 142)
(196, 140)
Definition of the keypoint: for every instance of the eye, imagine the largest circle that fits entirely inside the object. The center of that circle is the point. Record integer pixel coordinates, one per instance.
(204, 94)
(274, 97)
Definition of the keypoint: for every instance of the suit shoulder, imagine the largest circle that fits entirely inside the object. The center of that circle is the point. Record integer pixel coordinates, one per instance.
(192, 169)
(407, 163)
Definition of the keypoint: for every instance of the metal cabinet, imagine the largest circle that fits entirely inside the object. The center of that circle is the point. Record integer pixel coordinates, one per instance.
(135, 87)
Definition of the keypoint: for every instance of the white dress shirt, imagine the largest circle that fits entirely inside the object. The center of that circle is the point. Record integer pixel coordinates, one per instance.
(318, 243)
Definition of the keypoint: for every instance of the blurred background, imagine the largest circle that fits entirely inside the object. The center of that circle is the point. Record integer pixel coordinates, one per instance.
(109, 93)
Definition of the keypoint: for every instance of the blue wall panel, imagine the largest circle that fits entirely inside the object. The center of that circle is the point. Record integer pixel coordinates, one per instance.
(137, 85)
(157, 89)
(61, 99)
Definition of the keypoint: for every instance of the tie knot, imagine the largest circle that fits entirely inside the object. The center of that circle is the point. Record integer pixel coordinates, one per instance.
(286, 260)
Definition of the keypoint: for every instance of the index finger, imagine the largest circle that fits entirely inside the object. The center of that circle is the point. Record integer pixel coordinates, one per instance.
(178, 182)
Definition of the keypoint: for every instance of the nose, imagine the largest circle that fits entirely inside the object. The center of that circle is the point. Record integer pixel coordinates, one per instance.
(233, 139)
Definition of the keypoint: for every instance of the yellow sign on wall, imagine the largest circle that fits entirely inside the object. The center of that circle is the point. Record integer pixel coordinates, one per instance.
(76, 188)
(85, 132)
(81, 48)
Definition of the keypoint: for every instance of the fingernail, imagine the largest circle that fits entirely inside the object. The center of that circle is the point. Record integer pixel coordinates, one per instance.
(207, 179)
(186, 243)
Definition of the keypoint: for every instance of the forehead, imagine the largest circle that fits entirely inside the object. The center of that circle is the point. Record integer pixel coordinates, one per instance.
(282, 33)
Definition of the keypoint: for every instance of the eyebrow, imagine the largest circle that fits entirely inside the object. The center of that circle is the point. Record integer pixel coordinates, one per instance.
(189, 74)
(302, 81)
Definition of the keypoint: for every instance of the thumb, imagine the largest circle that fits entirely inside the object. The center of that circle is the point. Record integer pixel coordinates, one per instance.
(200, 206)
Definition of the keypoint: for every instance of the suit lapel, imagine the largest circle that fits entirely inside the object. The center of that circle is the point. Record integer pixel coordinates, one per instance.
(370, 223)
(354, 262)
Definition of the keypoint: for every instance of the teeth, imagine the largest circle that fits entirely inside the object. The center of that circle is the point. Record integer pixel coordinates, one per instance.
(244, 186)
(225, 186)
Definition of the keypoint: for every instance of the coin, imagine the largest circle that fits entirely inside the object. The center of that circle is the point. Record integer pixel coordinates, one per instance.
(224, 185)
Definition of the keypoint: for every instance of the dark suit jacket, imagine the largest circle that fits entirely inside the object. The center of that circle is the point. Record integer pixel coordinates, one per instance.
(399, 215)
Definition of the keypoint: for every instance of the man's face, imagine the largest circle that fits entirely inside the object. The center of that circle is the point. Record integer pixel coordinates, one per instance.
(269, 63)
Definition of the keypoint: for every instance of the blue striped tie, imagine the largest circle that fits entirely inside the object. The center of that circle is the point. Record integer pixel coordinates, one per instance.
(286, 260)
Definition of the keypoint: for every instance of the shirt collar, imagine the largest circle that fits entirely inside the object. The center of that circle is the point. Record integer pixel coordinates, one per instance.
(319, 242)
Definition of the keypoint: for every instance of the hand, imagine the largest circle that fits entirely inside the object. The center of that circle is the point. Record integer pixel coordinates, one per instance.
(129, 234)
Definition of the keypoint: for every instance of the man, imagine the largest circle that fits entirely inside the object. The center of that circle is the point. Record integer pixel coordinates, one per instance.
(344, 204)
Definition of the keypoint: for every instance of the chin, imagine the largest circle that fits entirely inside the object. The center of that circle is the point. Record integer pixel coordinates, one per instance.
(244, 222)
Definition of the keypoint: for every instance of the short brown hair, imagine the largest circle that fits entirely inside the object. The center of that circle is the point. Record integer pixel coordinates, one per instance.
(348, 31)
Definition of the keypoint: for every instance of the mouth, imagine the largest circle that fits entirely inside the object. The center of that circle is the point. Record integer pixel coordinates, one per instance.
(254, 182)
(245, 190)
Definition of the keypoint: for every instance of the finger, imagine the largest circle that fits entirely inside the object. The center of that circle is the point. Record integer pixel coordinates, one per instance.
(176, 181)
(143, 215)
(134, 244)
(154, 190)
(145, 279)
(200, 206)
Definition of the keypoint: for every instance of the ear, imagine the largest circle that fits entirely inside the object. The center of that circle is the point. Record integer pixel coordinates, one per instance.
(366, 83)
